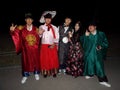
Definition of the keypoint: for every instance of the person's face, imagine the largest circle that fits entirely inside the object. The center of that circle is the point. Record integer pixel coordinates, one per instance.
(77, 27)
(48, 20)
(67, 21)
(92, 28)
(28, 21)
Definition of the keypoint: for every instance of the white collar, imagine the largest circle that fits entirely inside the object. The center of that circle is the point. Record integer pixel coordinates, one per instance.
(65, 25)
(29, 28)
(94, 33)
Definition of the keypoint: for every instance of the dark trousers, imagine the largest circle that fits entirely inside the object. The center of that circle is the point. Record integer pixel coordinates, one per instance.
(103, 79)
(62, 66)
(26, 74)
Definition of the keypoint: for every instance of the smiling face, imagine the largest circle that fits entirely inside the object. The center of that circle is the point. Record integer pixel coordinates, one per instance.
(68, 21)
(48, 20)
(29, 21)
(91, 28)
(77, 27)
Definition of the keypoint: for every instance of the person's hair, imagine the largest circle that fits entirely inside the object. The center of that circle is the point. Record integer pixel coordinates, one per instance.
(81, 29)
(68, 18)
(48, 15)
(78, 22)
(28, 15)
(92, 23)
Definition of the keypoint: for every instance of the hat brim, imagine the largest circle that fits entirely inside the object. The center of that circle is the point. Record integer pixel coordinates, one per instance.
(42, 19)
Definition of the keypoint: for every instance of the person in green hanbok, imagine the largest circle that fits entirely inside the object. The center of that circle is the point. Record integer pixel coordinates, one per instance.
(95, 44)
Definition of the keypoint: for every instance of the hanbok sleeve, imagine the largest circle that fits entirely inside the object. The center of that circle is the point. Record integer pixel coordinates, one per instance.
(17, 40)
(83, 38)
(56, 40)
(104, 43)
(40, 28)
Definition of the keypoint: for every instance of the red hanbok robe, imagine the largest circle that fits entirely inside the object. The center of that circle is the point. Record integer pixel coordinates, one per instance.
(27, 42)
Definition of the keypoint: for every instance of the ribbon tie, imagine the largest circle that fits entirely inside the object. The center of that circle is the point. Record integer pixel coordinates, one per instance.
(50, 27)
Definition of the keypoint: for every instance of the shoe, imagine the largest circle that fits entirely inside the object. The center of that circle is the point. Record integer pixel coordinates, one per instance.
(105, 84)
(88, 77)
(59, 71)
(64, 71)
(45, 76)
(23, 80)
(37, 77)
(54, 75)
(75, 76)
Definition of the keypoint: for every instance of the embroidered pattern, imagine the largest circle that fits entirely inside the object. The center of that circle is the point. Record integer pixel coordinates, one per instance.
(31, 39)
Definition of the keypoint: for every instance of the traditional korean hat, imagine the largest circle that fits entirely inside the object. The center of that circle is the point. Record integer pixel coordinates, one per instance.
(93, 23)
(47, 14)
(28, 15)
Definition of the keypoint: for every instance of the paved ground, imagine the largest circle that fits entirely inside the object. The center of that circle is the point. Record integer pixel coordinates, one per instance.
(10, 78)
(10, 72)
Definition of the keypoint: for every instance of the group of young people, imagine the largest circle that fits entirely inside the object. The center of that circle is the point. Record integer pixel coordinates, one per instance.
(50, 50)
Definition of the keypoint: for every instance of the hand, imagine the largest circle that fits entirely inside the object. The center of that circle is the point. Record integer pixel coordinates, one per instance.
(69, 39)
(70, 34)
(99, 47)
(87, 33)
(52, 46)
(41, 31)
(12, 27)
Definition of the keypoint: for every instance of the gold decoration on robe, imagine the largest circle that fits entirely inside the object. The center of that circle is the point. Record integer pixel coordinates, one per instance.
(20, 27)
(31, 39)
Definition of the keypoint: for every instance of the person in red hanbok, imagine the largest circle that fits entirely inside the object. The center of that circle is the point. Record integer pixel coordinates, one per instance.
(26, 42)
(49, 39)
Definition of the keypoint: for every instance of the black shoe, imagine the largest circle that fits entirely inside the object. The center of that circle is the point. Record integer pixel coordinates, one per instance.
(45, 75)
(54, 75)
(75, 76)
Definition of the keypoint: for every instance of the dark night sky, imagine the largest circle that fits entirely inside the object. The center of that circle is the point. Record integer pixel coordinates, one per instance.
(106, 13)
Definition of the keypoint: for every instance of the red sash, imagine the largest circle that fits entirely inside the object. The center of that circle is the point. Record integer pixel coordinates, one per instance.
(53, 32)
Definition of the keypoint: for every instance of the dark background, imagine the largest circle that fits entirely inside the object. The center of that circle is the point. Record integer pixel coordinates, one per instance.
(105, 13)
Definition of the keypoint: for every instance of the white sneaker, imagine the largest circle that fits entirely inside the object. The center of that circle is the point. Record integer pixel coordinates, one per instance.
(105, 84)
(88, 77)
(59, 71)
(37, 77)
(64, 71)
(23, 80)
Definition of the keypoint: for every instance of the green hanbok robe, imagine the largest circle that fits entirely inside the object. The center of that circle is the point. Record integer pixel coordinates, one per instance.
(93, 58)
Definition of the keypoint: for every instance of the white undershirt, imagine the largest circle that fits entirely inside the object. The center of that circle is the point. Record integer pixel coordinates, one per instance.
(94, 33)
(29, 28)
(66, 28)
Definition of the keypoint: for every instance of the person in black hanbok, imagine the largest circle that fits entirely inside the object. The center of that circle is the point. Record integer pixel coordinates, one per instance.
(74, 64)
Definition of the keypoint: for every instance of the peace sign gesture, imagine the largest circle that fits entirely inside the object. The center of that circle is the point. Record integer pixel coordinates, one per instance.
(12, 27)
